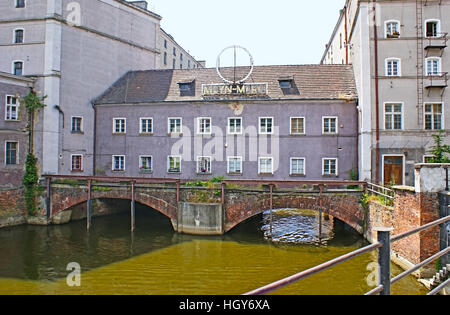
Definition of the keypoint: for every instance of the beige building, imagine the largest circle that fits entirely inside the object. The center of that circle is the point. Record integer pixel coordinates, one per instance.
(173, 56)
(398, 49)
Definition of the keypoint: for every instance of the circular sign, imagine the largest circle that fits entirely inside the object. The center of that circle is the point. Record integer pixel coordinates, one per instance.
(235, 80)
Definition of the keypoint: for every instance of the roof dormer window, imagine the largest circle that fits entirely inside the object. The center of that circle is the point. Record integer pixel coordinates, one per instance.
(186, 88)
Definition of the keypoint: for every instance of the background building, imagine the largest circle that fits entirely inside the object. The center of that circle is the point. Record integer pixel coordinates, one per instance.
(74, 50)
(173, 56)
(292, 122)
(398, 51)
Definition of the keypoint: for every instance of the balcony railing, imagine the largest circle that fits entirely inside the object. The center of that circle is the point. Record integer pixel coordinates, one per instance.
(439, 41)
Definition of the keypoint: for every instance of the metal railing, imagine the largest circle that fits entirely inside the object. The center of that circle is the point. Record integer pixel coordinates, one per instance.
(384, 261)
(384, 192)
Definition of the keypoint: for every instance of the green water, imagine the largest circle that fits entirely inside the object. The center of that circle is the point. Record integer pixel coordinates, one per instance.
(155, 260)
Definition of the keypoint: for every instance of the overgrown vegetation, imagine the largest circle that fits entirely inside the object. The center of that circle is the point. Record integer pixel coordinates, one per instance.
(30, 181)
(440, 150)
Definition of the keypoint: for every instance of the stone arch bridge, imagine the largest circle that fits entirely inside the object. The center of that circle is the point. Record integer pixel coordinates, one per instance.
(205, 210)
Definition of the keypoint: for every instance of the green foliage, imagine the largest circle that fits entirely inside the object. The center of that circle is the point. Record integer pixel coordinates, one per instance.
(30, 182)
(439, 150)
(32, 102)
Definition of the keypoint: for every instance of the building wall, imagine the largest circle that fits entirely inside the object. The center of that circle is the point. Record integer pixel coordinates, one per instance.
(76, 53)
(11, 175)
(313, 146)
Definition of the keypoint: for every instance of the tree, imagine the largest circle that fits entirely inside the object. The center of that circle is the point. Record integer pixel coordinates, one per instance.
(439, 150)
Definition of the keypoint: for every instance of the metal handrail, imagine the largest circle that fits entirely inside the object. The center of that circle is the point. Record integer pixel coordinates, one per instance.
(379, 245)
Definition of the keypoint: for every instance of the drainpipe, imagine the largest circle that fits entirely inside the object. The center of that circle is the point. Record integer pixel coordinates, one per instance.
(94, 166)
(346, 35)
(377, 96)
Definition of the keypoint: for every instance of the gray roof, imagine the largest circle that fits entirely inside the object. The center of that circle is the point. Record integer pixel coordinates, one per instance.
(310, 82)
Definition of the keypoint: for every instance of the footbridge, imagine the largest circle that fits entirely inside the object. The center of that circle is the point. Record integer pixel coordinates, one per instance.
(211, 210)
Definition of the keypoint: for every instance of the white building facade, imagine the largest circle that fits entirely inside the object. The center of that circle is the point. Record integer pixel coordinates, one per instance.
(398, 49)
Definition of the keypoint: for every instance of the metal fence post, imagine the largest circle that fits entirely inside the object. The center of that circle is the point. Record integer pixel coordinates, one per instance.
(384, 259)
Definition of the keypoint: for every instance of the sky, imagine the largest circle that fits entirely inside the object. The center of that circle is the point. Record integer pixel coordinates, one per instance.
(275, 32)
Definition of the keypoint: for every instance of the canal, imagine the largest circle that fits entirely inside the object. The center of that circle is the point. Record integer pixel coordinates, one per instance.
(155, 260)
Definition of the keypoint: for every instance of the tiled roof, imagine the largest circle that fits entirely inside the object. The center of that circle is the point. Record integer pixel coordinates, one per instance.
(310, 82)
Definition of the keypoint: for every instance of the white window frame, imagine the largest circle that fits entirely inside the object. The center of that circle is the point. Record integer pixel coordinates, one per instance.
(199, 158)
(442, 116)
(229, 126)
(199, 126)
(386, 23)
(438, 28)
(114, 126)
(140, 125)
(141, 164)
(402, 114)
(15, 37)
(291, 164)
(17, 152)
(240, 161)
(259, 164)
(113, 164)
(439, 70)
(23, 67)
(11, 105)
(304, 125)
(168, 125)
(168, 164)
(323, 125)
(399, 67)
(71, 163)
(81, 124)
(261, 132)
(337, 166)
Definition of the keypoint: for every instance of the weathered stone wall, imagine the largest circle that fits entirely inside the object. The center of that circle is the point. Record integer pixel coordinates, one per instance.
(12, 207)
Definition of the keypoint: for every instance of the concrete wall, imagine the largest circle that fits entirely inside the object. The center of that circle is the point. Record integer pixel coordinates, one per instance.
(199, 219)
(313, 146)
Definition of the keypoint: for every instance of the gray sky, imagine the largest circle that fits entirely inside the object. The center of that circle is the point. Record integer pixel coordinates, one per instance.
(275, 32)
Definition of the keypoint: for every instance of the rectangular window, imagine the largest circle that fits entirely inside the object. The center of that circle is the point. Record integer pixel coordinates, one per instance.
(146, 164)
(165, 43)
(432, 28)
(77, 163)
(266, 125)
(174, 164)
(235, 165)
(393, 117)
(18, 36)
(433, 66)
(393, 67)
(165, 58)
(433, 116)
(297, 166)
(297, 125)
(118, 163)
(234, 126)
(265, 166)
(330, 167)
(11, 153)
(175, 125)
(18, 68)
(392, 29)
(119, 125)
(174, 51)
(77, 124)
(12, 108)
(330, 125)
(204, 126)
(20, 3)
(146, 125)
(203, 165)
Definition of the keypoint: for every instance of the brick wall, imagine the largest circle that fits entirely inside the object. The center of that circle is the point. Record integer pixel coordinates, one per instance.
(12, 207)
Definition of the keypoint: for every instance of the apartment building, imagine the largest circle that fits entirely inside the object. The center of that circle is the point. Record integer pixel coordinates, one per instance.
(173, 56)
(398, 49)
(284, 122)
(74, 50)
